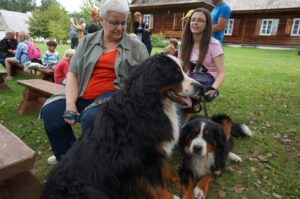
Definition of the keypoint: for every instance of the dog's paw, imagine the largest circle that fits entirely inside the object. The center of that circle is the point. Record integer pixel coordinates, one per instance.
(234, 158)
(175, 197)
(198, 193)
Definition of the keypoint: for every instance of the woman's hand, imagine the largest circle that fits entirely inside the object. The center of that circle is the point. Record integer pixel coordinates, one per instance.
(210, 93)
(71, 116)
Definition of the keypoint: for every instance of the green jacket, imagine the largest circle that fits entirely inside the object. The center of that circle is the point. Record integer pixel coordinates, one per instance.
(130, 53)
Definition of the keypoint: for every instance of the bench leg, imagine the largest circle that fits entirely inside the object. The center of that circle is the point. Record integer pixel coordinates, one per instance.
(32, 101)
(3, 86)
(24, 186)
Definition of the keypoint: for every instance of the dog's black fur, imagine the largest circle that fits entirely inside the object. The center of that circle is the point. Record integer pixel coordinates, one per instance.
(123, 147)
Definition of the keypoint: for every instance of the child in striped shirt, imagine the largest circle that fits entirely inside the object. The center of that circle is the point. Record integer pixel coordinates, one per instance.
(51, 56)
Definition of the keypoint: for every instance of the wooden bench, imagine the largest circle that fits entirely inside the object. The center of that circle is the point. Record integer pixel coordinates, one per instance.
(16, 161)
(3, 85)
(44, 73)
(36, 92)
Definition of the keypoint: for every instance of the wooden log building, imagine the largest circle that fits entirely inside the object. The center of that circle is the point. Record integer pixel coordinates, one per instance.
(253, 22)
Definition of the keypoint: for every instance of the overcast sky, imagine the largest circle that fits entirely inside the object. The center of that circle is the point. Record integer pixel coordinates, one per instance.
(69, 5)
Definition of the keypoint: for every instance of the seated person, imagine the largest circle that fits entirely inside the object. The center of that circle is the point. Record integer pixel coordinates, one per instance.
(203, 51)
(172, 47)
(51, 56)
(21, 56)
(8, 46)
(62, 67)
(98, 68)
(204, 54)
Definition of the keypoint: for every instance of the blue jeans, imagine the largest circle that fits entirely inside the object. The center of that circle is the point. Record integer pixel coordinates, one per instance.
(2, 61)
(60, 133)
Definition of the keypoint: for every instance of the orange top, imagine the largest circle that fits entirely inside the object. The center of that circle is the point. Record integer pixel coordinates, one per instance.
(102, 77)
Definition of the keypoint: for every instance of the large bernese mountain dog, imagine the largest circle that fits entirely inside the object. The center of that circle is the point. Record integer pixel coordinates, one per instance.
(125, 152)
(206, 143)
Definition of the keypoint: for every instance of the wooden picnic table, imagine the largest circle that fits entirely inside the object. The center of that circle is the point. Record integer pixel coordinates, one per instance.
(36, 92)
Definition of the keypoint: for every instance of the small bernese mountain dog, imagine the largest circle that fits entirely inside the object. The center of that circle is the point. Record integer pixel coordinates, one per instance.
(125, 152)
(206, 144)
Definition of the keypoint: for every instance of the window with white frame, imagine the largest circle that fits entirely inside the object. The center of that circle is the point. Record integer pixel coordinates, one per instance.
(148, 20)
(266, 27)
(229, 27)
(296, 27)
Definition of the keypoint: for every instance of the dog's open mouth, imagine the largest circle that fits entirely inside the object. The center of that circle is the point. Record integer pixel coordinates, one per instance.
(182, 100)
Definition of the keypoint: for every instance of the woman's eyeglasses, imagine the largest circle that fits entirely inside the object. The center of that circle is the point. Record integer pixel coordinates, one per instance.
(198, 20)
(116, 23)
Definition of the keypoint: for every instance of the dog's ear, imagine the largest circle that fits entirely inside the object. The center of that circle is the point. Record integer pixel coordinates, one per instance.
(184, 133)
(225, 122)
(221, 151)
(143, 85)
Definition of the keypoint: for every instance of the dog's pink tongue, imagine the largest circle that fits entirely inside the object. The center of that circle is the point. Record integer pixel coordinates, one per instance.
(187, 100)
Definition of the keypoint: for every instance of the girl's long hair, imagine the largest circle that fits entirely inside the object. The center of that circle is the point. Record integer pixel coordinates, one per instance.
(187, 41)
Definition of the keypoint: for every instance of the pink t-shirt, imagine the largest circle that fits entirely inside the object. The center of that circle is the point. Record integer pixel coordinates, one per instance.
(214, 50)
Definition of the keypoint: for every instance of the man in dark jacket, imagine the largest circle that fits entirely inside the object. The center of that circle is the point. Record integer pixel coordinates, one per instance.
(8, 46)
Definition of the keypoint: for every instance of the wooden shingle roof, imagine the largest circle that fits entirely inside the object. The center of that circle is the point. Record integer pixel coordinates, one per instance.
(236, 5)
(262, 4)
(146, 3)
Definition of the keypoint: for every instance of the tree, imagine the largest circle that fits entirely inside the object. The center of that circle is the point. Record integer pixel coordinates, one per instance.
(38, 25)
(86, 8)
(18, 5)
(50, 23)
(59, 22)
(46, 3)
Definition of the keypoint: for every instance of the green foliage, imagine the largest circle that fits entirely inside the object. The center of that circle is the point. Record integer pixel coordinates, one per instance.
(46, 3)
(17, 5)
(158, 40)
(59, 22)
(86, 8)
(53, 22)
(38, 25)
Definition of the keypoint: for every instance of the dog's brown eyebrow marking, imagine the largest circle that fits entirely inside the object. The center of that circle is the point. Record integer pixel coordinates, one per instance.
(206, 132)
(197, 130)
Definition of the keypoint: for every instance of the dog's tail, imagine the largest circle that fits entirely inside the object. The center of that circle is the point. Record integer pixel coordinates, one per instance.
(237, 129)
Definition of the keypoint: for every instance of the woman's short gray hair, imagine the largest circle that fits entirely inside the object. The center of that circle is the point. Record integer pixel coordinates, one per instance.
(120, 6)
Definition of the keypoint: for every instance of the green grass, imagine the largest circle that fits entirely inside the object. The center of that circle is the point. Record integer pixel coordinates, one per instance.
(261, 90)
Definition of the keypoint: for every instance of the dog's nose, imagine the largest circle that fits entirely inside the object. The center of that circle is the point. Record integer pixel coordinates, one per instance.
(198, 87)
(197, 149)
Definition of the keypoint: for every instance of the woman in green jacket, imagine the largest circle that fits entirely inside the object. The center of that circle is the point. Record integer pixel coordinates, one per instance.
(101, 63)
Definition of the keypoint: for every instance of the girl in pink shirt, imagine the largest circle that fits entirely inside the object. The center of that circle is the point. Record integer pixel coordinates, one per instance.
(62, 67)
(199, 47)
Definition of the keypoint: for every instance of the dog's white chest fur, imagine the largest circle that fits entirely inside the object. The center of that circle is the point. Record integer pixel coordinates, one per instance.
(170, 111)
(202, 164)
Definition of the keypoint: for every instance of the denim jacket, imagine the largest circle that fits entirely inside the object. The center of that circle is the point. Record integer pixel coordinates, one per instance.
(21, 52)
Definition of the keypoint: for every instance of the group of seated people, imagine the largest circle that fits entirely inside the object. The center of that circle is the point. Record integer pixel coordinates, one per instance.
(14, 53)
(104, 59)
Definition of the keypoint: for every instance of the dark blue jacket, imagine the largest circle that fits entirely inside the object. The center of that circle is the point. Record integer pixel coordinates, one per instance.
(145, 34)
